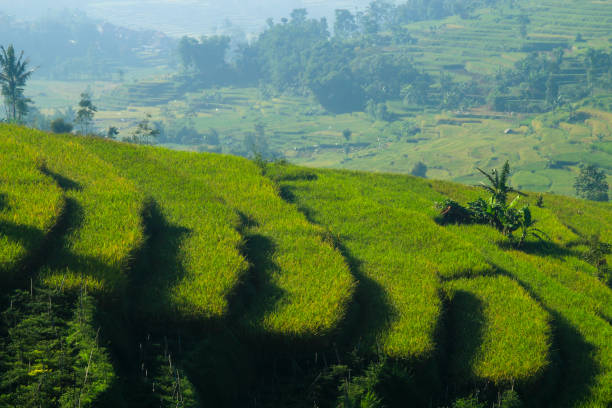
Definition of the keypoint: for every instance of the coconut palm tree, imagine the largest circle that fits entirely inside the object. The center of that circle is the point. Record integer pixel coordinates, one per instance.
(14, 74)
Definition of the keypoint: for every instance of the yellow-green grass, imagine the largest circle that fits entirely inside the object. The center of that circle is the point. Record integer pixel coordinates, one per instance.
(561, 283)
(580, 309)
(30, 205)
(196, 263)
(291, 262)
(102, 215)
(496, 321)
(584, 337)
(450, 144)
(399, 252)
(562, 219)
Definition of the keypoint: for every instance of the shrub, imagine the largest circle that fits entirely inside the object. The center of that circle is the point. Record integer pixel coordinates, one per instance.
(59, 125)
(451, 212)
(591, 184)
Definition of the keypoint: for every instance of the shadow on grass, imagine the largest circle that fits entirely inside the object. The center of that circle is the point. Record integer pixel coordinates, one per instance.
(64, 183)
(540, 248)
(464, 331)
(3, 202)
(572, 371)
(287, 194)
(370, 313)
(41, 248)
(158, 267)
(257, 296)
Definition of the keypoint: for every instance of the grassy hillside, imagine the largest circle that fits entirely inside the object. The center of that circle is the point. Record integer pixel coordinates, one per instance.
(235, 281)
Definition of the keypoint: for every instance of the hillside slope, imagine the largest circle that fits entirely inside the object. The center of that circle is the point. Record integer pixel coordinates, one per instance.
(217, 281)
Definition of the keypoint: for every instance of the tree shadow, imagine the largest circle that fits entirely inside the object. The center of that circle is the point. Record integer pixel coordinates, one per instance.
(295, 174)
(63, 182)
(158, 266)
(3, 202)
(370, 313)
(287, 194)
(41, 247)
(465, 332)
(540, 248)
(572, 370)
(257, 296)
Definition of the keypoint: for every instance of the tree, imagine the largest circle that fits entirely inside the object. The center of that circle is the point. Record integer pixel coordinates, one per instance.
(14, 74)
(347, 133)
(591, 184)
(345, 25)
(59, 125)
(144, 133)
(596, 254)
(112, 132)
(85, 114)
(419, 170)
(212, 137)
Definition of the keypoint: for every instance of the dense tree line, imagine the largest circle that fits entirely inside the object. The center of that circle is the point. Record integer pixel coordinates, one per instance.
(365, 59)
(541, 81)
(299, 55)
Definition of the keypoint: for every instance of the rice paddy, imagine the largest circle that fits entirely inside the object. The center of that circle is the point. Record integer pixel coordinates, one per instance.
(299, 258)
(30, 205)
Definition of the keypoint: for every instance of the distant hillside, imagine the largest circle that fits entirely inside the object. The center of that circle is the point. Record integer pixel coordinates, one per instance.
(69, 45)
(138, 276)
(184, 17)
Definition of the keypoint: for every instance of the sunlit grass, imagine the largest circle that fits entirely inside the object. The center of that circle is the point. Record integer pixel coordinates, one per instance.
(103, 216)
(30, 204)
(199, 264)
(293, 261)
(508, 329)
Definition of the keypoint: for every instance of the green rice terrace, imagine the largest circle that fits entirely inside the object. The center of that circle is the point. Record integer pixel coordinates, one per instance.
(478, 123)
(137, 276)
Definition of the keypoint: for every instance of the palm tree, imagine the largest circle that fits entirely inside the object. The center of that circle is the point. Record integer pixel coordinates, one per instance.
(14, 74)
(498, 184)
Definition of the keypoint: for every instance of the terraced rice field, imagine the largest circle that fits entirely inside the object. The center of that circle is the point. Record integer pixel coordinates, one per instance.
(297, 259)
(30, 205)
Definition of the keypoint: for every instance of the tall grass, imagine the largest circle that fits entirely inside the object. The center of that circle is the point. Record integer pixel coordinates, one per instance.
(196, 263)
(562, 283)
(502, 335)
(30, 205)
(290, 261)
(397, 252)
(103, 226)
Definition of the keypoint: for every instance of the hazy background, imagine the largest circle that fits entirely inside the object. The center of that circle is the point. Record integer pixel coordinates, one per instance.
(181, 17)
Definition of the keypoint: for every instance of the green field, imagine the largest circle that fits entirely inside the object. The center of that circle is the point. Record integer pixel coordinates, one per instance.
(219, 257)
(545, 149)
(262, 256)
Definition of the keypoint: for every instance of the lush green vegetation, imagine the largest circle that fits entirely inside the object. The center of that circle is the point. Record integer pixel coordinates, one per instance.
(132, 275)
(223, 206)
(101, 220)
(435, 83)
(495, 320)
(30, 205)
(212, 265)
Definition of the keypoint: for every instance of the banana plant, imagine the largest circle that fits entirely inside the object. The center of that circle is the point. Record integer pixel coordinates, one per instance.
(498, 186)
(527, 227)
